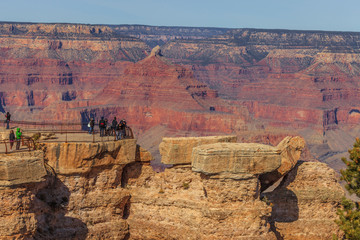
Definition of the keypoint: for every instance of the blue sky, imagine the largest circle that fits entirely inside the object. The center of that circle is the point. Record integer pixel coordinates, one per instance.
(332, 15)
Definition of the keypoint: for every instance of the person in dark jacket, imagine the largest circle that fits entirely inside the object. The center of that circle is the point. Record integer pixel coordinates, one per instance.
(102, 126)
(18, 135)
(11, 139)
(121, 130)
(114, 126)
(8, 116)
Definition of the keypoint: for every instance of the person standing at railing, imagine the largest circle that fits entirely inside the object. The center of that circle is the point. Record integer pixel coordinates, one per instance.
(102, 126)
(8, 116)
(114, 126)
(121, 130)
(18, 138)
(11, 139)
(91, 126)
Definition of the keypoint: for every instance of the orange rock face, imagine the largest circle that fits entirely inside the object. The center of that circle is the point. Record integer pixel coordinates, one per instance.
(109, 191)
(300, 209)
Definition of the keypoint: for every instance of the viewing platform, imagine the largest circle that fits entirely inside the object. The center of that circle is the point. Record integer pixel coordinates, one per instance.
(34, 134)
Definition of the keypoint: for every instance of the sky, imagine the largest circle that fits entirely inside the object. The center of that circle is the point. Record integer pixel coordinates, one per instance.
(327, 15)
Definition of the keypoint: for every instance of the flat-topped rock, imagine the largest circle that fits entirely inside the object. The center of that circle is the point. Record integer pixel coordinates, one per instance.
(18, 169)
(179, 150)
(235, 158)
(71, 158)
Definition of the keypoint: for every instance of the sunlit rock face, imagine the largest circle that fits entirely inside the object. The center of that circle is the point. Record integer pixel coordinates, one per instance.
(305, 203)
(179, 150)
(109, 190)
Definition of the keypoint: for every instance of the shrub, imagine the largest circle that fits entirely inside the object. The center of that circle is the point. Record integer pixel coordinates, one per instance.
(349, 214)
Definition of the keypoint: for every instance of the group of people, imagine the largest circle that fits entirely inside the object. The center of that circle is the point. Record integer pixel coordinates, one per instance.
(116, 128)
(13, 137)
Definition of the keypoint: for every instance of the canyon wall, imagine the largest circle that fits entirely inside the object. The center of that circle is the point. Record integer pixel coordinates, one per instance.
(205, 81)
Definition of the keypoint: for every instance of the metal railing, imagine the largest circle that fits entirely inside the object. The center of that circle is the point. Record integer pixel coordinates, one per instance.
(64, 132)
(24, 141)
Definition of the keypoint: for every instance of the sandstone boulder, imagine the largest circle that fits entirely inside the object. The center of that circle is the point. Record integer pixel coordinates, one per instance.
(21, 169)
(143, 155)
(291, 149)
(179, 150)
(70, 158)
(235, 158)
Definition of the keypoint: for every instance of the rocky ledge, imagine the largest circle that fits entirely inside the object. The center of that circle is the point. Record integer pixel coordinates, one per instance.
(109, 191)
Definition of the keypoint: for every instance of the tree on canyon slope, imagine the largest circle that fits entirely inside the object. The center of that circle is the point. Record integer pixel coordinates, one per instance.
(349, 214)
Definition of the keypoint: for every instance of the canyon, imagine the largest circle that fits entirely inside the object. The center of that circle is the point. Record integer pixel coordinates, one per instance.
(260, 85)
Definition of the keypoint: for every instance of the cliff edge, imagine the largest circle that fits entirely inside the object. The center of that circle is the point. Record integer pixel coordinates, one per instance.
(109, 190)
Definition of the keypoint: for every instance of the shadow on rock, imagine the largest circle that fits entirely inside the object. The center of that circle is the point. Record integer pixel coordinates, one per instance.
(284, 202)
(50, 204)
(130, 172)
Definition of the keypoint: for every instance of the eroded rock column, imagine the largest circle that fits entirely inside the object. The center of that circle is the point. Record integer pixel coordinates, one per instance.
(208, 204)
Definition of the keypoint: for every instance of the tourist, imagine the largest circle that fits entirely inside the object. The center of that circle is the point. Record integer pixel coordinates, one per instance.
(91, 125)
(114, 126)
(121, 130)
(11, 139)
(102, 126)
(8, 116)
(18, 138)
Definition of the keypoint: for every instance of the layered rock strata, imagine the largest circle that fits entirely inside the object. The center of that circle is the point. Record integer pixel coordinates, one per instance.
(82, 158)
(181, 204)
(32, 165)
(109, 190)
(235, 158)
(79, 197)
(302, 81)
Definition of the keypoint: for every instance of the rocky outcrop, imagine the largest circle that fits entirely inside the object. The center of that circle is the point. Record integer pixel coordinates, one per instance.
(80, 195)
(181, 204)
(291, 149)
(217, 202)
(109, 191)
(18, 217)
(235, 159)
(304, 205)
(179, 150)
(81, 158)
(32, 165)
